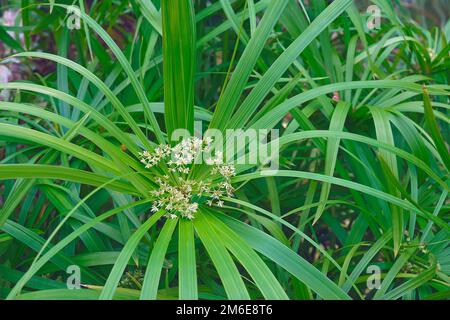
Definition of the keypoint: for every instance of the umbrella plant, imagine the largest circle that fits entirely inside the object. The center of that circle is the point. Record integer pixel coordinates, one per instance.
(112, 162)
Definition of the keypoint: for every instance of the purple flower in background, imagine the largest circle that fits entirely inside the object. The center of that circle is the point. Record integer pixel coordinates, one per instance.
(11, 69)
(5, 76)
(9, 19)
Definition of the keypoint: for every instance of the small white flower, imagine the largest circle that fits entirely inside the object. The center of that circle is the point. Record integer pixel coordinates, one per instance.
(189, 216)
(208, 140)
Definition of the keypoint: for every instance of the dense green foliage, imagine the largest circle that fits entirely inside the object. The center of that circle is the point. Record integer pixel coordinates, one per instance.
(363, 182)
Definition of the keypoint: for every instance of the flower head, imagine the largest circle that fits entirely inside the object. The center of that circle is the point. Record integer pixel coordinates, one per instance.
(176, 197)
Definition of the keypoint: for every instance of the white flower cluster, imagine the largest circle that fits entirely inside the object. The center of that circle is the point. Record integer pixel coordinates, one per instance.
(151, 159)
(177, 198)
(182, 155)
